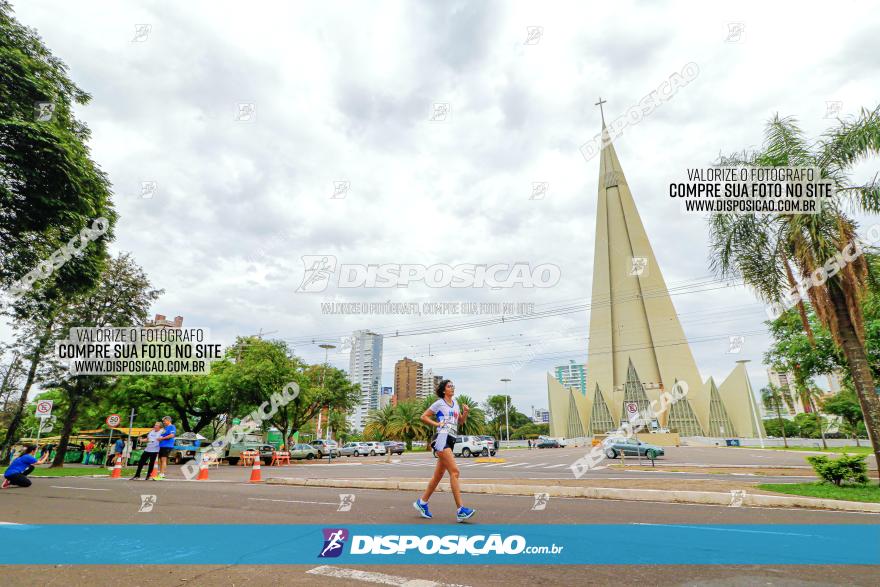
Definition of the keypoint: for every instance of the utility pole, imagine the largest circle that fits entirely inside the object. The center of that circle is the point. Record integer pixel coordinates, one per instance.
(505, 380)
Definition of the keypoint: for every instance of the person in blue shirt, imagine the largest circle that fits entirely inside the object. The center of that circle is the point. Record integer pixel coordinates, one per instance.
(166, 443)
(118, 447)
(20, 468)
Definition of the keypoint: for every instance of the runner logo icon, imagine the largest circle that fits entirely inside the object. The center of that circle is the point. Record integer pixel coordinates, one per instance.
(334, 540)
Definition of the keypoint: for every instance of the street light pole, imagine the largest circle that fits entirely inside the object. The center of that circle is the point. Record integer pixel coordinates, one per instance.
(506, 408)
(326, 348)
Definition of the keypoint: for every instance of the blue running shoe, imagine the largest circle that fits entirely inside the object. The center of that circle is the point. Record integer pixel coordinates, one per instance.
(422, 508)
(464, 513)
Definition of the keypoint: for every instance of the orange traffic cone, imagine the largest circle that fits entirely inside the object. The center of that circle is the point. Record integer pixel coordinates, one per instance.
(255, 472)
(154, 472)
(117, 469)
(203, 472)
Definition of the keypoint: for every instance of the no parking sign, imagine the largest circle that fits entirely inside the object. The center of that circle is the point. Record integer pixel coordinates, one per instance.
(113, 420)
(44, 408)
(632, 410)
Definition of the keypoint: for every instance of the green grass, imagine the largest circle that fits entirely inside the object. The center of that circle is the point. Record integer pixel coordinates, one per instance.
(78, 472)
(869, 493)
(853, 450)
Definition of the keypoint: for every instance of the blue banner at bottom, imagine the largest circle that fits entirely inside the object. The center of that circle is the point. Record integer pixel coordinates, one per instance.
(583, 544)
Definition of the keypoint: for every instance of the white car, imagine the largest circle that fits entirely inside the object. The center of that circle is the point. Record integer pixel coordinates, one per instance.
(469, 446)
(376, 448)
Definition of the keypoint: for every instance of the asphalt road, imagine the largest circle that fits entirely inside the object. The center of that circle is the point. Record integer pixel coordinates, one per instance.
(87, 500)
(548, 464)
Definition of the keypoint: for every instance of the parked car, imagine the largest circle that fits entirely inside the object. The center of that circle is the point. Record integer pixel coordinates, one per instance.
(492, 443)
(232, 452)
(348, 449)
(304, 451)
(615, 446)
(376, 448)
(394, 447)
(185, 448)
(325, 447)
(469, 446)
(549, 443)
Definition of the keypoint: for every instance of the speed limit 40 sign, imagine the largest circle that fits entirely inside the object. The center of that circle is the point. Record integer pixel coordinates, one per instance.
(113, 420)
(44, 408)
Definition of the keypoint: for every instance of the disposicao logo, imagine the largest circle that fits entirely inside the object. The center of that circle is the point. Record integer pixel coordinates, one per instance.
(334, 540)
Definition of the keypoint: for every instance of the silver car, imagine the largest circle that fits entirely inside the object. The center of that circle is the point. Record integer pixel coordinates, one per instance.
(304, 451)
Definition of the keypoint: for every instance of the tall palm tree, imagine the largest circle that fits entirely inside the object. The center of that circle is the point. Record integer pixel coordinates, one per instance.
(378, 423)
(808, 394)
(406, 422)
(774, 252)
(476, 420)
(773, 397)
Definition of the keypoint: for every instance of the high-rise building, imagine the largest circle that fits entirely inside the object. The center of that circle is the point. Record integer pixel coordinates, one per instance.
(572, 375)
(365, 369)
(790, 406)
(407, 379)
(541, 416)
(429, 384)
(638, 349)
(385, 397)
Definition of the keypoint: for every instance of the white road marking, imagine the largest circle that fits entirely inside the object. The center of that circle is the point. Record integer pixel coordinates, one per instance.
(82, 488)
(9, 524)
(485, 466)
(293, 501)
(557, 466)
(372, 577)
(537, 465)
(514, 465)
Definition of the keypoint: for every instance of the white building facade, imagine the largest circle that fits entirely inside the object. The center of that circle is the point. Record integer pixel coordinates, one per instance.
(365, 369)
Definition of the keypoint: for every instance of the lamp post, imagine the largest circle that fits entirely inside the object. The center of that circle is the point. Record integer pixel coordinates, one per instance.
(753, 404)
(505, 380)
(326, 348)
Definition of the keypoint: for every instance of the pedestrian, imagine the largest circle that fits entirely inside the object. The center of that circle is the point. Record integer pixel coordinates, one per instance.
(118, 447)
(166, 444)
(18, 470)
(530, 444)
(448, 414)
(150, 452)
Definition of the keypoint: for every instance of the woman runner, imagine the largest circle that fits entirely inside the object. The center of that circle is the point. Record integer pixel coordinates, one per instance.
(448, 414)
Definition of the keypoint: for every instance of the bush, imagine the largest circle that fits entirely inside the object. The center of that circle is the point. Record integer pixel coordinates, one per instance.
(846, 468)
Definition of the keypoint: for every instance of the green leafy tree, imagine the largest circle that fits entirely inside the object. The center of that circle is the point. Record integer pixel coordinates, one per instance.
(122, 297)
(845, 404)
(774, 252)
(783, 428)
(51, 188)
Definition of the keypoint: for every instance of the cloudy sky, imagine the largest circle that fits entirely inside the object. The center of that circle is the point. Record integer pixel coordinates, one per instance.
(346, 92)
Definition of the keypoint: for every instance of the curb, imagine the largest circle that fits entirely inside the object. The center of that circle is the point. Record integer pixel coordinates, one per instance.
(732, 499)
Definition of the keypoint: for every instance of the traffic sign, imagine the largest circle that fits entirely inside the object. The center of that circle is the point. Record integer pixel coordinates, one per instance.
(113, 420)
(632, 410)
(44, 408)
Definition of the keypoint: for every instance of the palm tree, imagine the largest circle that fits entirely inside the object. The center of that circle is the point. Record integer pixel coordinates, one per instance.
(378, 422)
(476, 420)
(808, 394)
(406, 422)
(773, 398)
(773, 253)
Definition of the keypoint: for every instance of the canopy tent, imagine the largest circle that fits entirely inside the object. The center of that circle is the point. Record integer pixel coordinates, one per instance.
(85, 435)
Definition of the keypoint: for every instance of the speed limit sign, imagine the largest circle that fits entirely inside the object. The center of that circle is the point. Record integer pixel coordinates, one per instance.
(113, 420)
(44, 408)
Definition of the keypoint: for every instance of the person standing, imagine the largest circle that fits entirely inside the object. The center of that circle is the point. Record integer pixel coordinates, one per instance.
(448, 414)
(18, 470)
(150, 452)
(166, 444)
(118, 447)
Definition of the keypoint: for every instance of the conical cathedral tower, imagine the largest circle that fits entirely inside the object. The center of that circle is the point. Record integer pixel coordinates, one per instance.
(637, 347)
